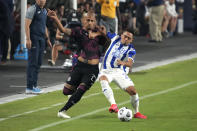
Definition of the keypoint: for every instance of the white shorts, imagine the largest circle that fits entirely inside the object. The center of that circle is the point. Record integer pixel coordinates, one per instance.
(118, 76)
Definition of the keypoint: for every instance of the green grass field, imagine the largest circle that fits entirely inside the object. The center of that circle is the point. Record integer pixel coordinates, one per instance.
(168, 97)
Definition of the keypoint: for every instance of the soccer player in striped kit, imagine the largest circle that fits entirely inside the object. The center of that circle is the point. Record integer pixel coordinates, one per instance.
(118, 57)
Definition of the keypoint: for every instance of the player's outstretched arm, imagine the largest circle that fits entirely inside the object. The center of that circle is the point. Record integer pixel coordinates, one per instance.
(53, 15)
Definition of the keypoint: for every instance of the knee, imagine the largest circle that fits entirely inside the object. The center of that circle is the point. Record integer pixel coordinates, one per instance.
(84, 87)
(55, 46)
(67, 91)
(103, 77)
(131, 90)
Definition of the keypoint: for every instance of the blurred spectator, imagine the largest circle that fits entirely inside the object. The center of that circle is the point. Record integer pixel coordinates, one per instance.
(58, 46)
(155, 20)
(109, 12)
(28, 4)
(80, 10)
(62, 41)
(97, 10)
(93, 2)
(16, 35)
(137, 2)
(124, 15)
(88, 7)
(6, 27)
(81, 1)
(130, 17)
(52, 26)
(170, 18)
(142, 18)
(194, 7)
(60, 11)
(122, 6)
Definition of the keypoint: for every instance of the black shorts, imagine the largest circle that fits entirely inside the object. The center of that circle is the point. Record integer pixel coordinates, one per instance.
(83, 73)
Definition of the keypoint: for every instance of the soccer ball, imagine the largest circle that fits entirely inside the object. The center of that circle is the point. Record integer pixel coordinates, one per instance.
(125, 114)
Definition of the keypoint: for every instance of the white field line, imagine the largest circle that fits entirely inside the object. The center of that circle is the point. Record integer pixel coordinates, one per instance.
(44, 108)
(135, 69)
(165, 62)
(105, 108)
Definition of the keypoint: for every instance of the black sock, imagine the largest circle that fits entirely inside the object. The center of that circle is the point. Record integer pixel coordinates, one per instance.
(73, 99)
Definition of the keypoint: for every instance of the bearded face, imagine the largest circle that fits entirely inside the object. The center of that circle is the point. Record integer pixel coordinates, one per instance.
(88, 21)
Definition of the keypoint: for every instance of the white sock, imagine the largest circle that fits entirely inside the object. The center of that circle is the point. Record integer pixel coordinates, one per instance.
(135, 103)
(107, 91)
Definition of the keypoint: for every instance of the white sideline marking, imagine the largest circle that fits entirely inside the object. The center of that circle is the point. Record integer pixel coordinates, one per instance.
(102, 109)
(44, 108)
(165, 62)
(135, 69)
(23, 96)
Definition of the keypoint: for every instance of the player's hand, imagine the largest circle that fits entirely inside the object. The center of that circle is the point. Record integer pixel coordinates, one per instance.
(102, 29)
(49, 43)
(92, 35)
(119, 62)
(51, 14)
(28, 44)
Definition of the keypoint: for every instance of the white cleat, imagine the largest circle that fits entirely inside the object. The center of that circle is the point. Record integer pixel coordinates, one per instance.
(62, 114)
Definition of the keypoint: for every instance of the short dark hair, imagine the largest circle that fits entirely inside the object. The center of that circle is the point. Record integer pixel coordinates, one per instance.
(59, 5)
(89, 13)
(127, 31)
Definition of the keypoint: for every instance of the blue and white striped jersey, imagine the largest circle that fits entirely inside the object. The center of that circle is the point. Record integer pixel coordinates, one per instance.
(116, 51)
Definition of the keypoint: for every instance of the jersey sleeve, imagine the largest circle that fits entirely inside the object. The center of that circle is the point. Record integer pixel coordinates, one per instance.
(131, 54)
(111, 35)
(30, 12)
(102, 40)
(75, 32)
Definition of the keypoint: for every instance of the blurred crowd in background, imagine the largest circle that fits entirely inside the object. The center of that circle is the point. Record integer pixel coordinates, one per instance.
(149, 18)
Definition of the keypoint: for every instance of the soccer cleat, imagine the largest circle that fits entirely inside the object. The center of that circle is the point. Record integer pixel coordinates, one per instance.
(139, 115)
(35, 90)
(51, 62)
(67, 63)
(69, 96)
(113, 108)
(63, 114)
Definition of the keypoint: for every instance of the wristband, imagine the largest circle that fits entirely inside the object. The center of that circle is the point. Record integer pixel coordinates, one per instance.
(85, 61)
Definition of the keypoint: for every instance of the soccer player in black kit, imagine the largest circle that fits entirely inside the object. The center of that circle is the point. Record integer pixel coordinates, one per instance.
(85, 72)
